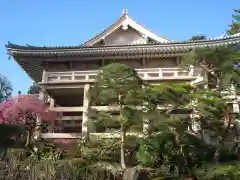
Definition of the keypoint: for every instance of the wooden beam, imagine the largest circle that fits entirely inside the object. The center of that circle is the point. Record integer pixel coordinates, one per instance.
(63, 85)
(106, 108)
(114, 135)
(92, 135)
(61, 135)
(67, 109)
(69, 118)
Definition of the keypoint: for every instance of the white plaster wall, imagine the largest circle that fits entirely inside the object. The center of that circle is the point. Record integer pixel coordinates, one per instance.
(76, 66)
(84, 66)
(130, 62)
(79, 66)
(94, 65)
(160, 63)
(57, 66)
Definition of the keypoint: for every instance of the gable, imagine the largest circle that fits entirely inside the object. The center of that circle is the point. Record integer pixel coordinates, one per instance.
(125, 37)
(125, 31)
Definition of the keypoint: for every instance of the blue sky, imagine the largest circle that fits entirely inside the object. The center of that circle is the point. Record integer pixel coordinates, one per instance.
(61, 22)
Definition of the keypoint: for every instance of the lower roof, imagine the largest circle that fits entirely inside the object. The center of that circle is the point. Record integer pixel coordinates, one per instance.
(168, 47)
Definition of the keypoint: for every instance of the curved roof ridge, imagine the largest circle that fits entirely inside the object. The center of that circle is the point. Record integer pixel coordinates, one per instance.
(161, 37)
(101, 33)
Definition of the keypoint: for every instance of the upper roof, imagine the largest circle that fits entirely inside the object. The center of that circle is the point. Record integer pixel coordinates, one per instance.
(125, 22)
(118, 40)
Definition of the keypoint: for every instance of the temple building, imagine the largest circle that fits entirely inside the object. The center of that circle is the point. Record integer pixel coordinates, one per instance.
(66, 72)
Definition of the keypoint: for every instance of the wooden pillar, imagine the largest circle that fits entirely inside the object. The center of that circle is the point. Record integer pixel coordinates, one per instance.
(178, 60)
(52, 104)
(102, 62)
(42, 96)
(44, 76)
(143, 62)
(86, 103)
(70, 65)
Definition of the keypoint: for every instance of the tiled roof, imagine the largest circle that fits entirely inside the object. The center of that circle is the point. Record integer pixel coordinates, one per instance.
(14, 49)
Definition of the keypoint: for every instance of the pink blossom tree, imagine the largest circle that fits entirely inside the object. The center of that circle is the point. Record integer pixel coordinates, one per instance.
(24, 109)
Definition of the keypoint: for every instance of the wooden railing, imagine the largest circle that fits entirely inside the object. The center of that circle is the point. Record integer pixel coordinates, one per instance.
(145, 74)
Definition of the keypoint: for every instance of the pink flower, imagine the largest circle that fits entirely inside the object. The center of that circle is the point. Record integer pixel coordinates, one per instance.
(18, 109)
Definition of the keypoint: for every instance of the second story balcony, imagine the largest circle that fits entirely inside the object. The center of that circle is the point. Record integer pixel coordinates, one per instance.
(148, 74)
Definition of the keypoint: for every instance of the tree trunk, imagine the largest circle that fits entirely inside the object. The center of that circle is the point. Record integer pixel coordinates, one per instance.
(184, 164)
(123, 134)
(3, 151)
(235, 149)
(29, 136)
(220, 142)
(135, 174)
(218, 83)
(217, 154)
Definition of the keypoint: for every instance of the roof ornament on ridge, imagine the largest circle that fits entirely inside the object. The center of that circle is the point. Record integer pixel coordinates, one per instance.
(124, 11)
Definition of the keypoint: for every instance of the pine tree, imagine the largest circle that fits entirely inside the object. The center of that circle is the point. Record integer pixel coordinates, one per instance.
(167, 145)
(34, 89)
(219, 64)
(5, 88)
(117, 85)
(235, 26)
(175, 142)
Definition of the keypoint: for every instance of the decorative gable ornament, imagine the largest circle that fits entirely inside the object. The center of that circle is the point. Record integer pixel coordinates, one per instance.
(125, 26)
